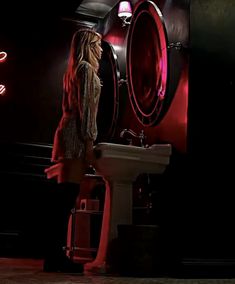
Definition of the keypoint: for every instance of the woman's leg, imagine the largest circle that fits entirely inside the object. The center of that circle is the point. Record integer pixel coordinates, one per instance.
(55, 255)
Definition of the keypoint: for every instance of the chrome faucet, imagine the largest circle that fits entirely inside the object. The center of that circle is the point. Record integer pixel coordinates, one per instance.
(141, 136)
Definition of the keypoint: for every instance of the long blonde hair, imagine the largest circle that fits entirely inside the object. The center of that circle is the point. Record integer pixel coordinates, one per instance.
(81, 50)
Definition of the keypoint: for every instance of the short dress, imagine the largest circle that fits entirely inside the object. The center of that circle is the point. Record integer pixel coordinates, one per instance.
(78, 123)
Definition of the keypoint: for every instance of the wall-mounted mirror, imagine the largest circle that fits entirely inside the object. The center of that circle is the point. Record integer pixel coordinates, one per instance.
(147, 63)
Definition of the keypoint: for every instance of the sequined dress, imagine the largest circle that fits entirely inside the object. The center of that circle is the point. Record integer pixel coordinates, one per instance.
(78, 122)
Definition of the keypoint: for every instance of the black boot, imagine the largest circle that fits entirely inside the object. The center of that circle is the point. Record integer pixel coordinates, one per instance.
(55, 257)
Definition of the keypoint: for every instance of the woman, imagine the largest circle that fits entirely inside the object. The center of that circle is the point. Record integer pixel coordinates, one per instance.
(74, 138)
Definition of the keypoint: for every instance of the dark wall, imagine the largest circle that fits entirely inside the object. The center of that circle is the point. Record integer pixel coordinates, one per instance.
(37, 43)
(211, 75)
(37, 47)
(211, 116)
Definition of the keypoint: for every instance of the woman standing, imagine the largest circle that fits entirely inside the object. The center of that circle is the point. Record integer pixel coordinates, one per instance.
(73, 140)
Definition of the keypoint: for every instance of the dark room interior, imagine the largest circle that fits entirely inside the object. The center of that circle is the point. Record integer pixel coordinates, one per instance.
(167, 74)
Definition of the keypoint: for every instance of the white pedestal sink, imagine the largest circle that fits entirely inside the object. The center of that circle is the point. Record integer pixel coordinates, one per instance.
(120, 165)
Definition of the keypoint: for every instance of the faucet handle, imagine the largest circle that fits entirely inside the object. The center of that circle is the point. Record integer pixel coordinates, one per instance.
(123, 132)
(142, 138)
(142, 133)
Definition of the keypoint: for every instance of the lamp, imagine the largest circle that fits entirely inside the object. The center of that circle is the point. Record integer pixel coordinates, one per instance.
(125, 12)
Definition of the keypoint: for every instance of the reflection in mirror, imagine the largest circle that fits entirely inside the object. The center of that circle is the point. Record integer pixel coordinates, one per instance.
(108, 105)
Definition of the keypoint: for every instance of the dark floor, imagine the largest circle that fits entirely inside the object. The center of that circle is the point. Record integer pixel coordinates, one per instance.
(29, 271)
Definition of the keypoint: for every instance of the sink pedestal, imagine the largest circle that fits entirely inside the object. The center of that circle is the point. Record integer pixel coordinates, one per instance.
(117, 210)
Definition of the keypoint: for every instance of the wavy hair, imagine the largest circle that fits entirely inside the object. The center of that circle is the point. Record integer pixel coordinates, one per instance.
(80, 50)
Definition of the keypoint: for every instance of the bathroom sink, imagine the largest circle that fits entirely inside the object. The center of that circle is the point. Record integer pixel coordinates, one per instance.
(119, 165)
(128, 161)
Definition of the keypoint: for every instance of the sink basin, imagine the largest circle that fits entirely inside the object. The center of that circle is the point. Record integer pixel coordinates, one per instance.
(127, 161)
(119, 165)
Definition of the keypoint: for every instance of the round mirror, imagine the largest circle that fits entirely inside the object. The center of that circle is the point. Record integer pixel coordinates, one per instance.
(147, 63)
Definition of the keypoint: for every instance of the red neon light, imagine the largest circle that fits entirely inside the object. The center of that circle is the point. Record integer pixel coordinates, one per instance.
(2, 90)
(3, 56)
